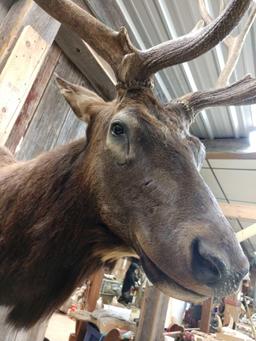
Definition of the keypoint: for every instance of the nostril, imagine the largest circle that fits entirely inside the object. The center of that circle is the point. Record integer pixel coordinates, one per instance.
(207, 268)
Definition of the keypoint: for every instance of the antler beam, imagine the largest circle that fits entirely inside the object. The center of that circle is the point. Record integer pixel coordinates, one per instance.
(109, 44)
(130, 64)
(242, 92)
(193, 44)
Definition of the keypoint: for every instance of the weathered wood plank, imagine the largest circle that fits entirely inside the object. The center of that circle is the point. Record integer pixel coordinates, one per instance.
(206, 315)
(10, 28)
(33, 99)
(18, 77)
(22, 14)
(88, 62)
(246, 233)
(71, 129)
(94, 290)
(239, 211)
(50, 124)
(5, 5)
(152, 316)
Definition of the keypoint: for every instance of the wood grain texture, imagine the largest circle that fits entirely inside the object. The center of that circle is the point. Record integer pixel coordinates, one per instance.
(206, 315)
(152, 316)
(33, 99)
(242, 155)
(94, 291)
(22, 14)
(246, 233)
(53, 122)
(11, 27)
(5, 5)
(18, 77)
(98, 73)
(239, 211)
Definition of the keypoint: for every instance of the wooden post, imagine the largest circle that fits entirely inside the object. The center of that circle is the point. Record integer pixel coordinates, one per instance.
(206, 316)
(152, 316)
(94, 290)
(93, 295)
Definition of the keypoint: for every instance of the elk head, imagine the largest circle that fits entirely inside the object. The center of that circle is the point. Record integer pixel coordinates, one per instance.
(144, 164)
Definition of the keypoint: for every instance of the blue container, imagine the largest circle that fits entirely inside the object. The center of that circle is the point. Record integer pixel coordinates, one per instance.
(92, 333)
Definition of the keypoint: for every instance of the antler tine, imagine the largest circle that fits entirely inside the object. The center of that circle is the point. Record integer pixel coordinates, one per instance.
(235, 45)
(129, 64)
(109, 44)
(204, 12)
(242, 92)
(189, 46)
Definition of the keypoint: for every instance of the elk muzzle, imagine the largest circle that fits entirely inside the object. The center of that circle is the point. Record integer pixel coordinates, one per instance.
(216, 269)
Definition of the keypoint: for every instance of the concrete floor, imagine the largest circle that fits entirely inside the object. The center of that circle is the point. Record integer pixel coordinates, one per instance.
(60, 327)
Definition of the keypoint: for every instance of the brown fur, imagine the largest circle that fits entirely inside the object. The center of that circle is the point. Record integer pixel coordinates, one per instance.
(49, 233)
(6, 158)
(67, 211)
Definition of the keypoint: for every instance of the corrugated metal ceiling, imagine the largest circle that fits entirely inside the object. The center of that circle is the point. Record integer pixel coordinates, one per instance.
(155, 21)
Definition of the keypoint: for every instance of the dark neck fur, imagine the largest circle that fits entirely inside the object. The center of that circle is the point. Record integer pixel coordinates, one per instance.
(49, 232)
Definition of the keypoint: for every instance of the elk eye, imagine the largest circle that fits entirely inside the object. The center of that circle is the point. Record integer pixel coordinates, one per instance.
(117, 129)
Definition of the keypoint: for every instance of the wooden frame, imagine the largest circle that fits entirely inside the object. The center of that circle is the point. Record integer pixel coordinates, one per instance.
(239, 211)
(228, 149)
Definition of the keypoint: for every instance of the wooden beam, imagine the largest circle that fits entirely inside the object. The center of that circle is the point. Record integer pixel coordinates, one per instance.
(206, 315)
(18, 77)
(237, 149)
(94, 290)
(246, 233)
(92, 297)
(152, 315)
(97, 71)
(231, 155)
(239, 211)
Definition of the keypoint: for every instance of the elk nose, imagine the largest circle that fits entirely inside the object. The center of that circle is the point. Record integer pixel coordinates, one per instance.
(207, 267)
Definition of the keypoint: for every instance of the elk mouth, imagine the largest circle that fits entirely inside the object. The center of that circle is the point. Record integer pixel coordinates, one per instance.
(166, 284)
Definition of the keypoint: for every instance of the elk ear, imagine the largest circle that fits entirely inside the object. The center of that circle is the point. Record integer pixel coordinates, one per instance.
(85, 103)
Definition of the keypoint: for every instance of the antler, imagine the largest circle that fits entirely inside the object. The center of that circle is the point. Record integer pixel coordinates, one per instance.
(131, 64)
(242, 92)
(234, 44)
(109, 44)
